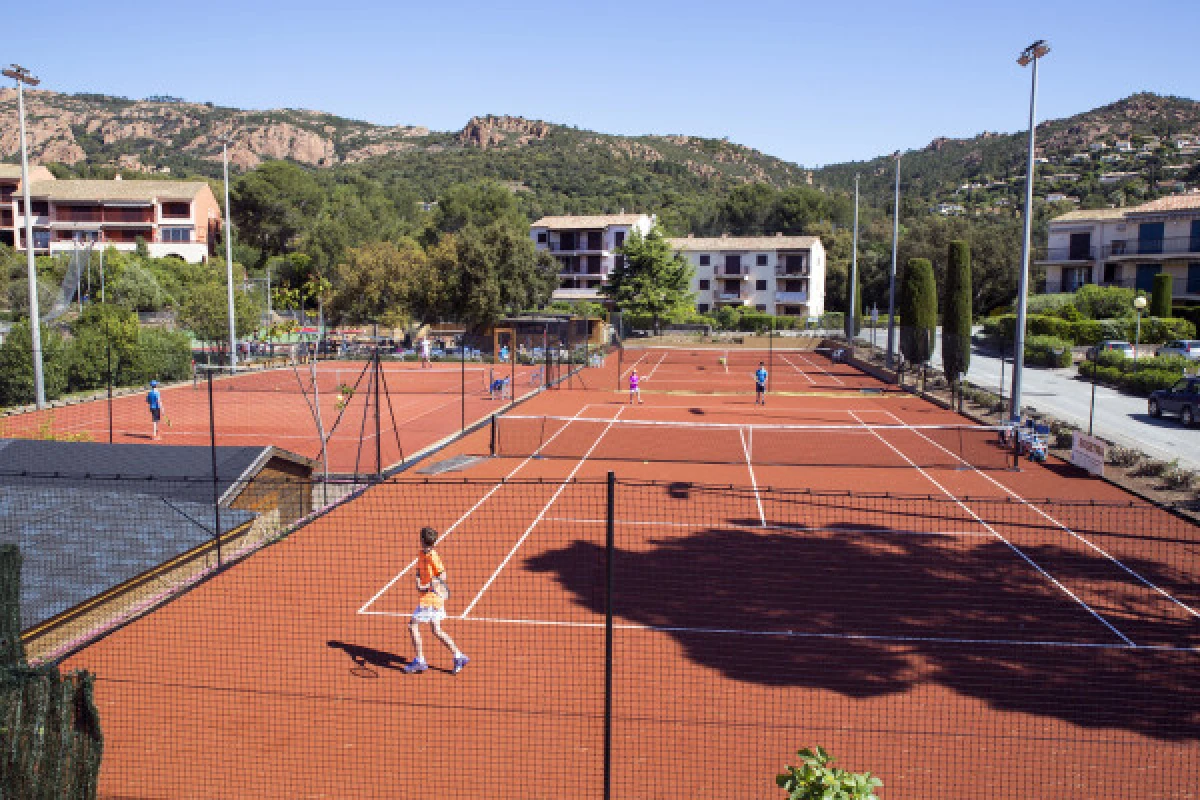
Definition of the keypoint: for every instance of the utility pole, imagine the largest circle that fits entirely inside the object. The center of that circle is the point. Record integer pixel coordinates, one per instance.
(891, 342)
(1029, 55)
(22, 76)
(850, 312)
(229, 259)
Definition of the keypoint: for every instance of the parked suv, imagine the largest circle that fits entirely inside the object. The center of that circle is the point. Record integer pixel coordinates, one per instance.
(1183, 399)
(1188, 348)
(1111, 345)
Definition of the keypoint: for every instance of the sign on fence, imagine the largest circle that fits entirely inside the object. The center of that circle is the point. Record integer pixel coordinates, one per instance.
(1088, 452)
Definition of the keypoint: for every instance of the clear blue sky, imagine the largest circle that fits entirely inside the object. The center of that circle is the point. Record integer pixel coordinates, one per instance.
(814, 83)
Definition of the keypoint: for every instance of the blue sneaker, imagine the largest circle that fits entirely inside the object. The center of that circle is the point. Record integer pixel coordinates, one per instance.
(459, 663)
(416, 665)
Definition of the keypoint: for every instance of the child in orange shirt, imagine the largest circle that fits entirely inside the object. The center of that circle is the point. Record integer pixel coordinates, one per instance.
(431, 583)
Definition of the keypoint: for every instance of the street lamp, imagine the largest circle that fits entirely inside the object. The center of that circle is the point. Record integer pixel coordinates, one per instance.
(229, 257)
(1139, 303)
(22, 76)
(891, 342)
(1030, 54)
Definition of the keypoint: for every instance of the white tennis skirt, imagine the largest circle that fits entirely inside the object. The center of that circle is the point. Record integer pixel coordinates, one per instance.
(428, 614)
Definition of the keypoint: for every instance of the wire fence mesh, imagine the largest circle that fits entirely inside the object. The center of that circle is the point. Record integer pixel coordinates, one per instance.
(625, 638)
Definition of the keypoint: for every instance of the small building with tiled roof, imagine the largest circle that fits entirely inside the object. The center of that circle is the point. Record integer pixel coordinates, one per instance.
(1127, 247)
(173, 218)
(585, 248)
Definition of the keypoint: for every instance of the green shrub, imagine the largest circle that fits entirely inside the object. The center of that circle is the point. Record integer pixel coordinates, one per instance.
(1151, 468)
(815, 779)
(1047, 351)
(1086, 331)
(1104, 302)
(1190, 313)
(1123, 456)
(1049, 303)
(1156, 330)
(1145, 381)
(16, 365)
(1177, 478)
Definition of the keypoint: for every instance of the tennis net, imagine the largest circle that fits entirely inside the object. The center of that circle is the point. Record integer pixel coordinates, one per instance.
(337, 377)
(924, 446)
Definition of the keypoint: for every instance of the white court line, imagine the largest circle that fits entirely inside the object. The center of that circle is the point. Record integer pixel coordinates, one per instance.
(753, 481)
(1011, 546)
(461, 519)
(793, 366)
(1148, 583)
(785, 528)
(633, 366)
(725, 361)
(656, 366)
(822, 369)
(562, 486)
(637, 627)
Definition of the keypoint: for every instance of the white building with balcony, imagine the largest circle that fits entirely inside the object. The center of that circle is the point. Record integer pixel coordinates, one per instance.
(585, 247)
(782, 275)
(1127, 247)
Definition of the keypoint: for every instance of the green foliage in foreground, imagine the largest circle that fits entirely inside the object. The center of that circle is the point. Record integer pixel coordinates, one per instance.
(816, 779)
(956, 324)
(1138, 376)
(1160, 300)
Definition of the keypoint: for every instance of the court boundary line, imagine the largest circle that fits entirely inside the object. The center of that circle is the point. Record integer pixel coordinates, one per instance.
(822, 369)
(768, 526)
(899, 638)
(561, 488)
(788, 361)
(1013, 493)
(446, 534)
(753, 480)
(996, 533)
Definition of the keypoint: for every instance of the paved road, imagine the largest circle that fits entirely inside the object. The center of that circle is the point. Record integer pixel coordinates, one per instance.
(1120, 418)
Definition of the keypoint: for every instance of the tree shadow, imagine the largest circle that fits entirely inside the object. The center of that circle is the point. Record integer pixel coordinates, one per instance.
(870, 610)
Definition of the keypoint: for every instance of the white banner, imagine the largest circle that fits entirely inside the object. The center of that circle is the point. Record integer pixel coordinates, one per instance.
(1088, 452)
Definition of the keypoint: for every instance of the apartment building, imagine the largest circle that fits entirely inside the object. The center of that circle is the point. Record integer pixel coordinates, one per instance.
(783, 275)
(1127, 247)
(173, 218)
(585, 248)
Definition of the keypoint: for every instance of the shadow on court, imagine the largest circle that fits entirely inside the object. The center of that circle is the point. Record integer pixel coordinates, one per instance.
(878, 611)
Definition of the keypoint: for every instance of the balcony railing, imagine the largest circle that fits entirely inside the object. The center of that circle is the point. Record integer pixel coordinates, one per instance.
(791, 297)
(1067, 254)
(1171, 245)
(724, 296)
(799, 272)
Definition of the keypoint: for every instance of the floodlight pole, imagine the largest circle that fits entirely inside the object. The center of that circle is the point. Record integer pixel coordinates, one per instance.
(891, 340)
(22, 76)
(850, 312)
(1029, 55)
(229, 258)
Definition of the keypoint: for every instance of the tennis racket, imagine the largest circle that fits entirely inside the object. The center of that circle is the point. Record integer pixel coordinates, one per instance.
(438, 586)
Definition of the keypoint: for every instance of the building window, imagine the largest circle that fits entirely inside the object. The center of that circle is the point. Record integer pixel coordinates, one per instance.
(761, 259)
(541, 238)
(703, 283)
(619, 238)
(733, 265)
(41, 239)
(702, 308)
(704, 260)
(177, 210)
(566, 241)
(176, 234)
(1193, 280)
(760, 286)
(759, 307)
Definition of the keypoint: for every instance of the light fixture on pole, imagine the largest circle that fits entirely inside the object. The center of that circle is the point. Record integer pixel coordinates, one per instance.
(891, 342)
(1031, 54)
(851, 316)
(229, 257)
(1139, 304)
(22, 77)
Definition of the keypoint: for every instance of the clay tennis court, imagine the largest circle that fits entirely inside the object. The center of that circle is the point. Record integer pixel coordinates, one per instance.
(417, 407)
(882, 596)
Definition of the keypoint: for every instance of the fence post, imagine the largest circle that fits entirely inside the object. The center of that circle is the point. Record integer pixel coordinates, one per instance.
(493, 426)
(212, 447)
(12, 652)
(109, 381)
(378, 428)
(609, 548)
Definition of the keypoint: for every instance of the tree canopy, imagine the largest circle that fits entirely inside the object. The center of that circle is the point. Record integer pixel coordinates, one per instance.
(650, 279)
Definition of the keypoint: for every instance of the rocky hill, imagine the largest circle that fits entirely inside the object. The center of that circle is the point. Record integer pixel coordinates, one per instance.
(87, 131)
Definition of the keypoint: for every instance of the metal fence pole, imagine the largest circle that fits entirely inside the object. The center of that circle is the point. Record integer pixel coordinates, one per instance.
(212, 439)
(109, 382)
(378, 428)
(462, 379)
(609, 549)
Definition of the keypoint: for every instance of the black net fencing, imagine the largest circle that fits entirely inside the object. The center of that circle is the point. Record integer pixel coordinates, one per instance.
(624, 638)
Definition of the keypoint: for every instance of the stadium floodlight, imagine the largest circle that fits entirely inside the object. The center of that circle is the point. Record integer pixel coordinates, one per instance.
(891, 339)
(1030, 55)
(22, 76)
(229, 255)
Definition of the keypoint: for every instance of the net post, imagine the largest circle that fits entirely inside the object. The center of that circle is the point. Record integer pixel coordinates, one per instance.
(512, 360)
(609, 549)
(462, 393)
(492, 449)
(212, 448)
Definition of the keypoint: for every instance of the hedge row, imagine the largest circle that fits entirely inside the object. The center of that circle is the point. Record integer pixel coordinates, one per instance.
(1140, 376)
(1155, 330)
(1047, 351)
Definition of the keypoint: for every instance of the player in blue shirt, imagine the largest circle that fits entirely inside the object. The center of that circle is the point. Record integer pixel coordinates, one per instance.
(760, 385)
(154, 400)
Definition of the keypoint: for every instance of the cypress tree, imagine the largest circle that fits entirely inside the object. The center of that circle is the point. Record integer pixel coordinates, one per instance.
(956, 320)
(918, 310)
(1160, 299)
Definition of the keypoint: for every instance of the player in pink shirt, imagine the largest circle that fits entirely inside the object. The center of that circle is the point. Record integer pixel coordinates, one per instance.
(634, 390)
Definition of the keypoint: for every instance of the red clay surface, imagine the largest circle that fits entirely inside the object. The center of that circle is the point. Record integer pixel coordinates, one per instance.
(960, 637)
(268, 408)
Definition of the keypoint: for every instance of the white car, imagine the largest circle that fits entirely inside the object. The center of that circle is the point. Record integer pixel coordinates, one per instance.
(1188, 348)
